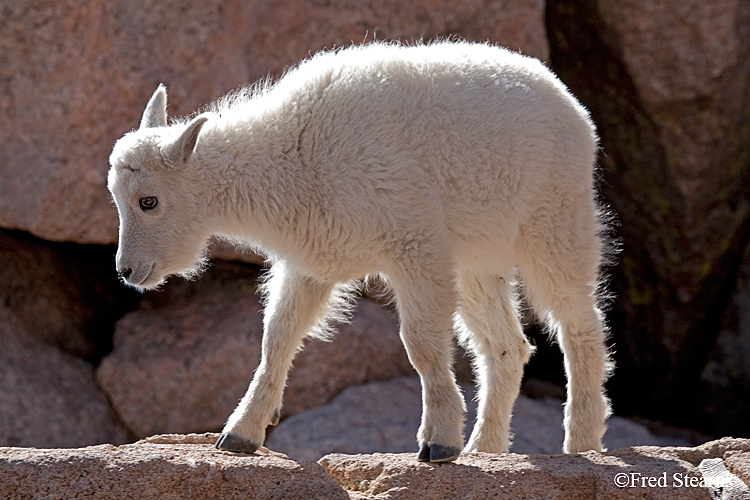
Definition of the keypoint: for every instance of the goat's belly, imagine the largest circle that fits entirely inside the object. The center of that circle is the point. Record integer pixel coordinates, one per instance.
(484, 255)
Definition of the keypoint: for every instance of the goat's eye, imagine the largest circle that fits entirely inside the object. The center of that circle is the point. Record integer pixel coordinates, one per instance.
(148, 203)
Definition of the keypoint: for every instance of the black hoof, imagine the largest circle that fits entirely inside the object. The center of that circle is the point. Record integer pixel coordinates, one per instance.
(437, 453)
(232, 442)
(424, 453)
(440, 453)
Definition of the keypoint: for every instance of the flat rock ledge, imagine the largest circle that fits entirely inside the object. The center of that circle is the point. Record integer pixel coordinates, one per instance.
(188, 466)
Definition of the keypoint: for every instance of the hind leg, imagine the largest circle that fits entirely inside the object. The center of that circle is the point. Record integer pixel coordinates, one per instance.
(489, 327)
(586, 366)
(562, 287)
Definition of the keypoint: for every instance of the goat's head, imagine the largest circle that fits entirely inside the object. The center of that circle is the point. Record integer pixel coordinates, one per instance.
(153, 182)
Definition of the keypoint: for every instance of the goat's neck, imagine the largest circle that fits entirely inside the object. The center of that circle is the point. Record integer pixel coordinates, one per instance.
(252, 177)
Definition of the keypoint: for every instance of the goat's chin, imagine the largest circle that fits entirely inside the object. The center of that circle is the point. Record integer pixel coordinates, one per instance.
(153, 281)
(151, 285)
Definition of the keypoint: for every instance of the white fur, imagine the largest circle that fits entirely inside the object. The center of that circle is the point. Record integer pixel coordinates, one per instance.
(450, 169)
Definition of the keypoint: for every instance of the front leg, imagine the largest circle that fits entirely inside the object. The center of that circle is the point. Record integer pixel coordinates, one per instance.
(296, 304)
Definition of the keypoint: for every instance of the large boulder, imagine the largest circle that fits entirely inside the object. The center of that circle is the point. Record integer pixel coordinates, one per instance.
(178, 466)
(49, 398)
(163, 467)
(183, 360)
(74, 78)
(668, 84)
(738, 463)
(628, 473)
(64, 294)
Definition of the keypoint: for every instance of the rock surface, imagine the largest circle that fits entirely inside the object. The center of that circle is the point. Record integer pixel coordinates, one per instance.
(176, 466)
(183, 360)
(166, 467)
(384, 417)
(667, 81)
(476, 476)
(49, 398)
(638, 472)
(717, 476)
(73, 79)
(66, 295)
(738, 462)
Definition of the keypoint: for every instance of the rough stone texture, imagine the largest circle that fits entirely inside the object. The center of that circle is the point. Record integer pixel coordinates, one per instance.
(688, 61)
(48, 398)
(376, 417)
(166, 467)
(74, 78)
(668, 84)
(718, 448)
(384, 416)
(365, 350)
(738, 463)
(183, 360)
(717, 476)
(586, 476)
(188, 466)
(620, 474)
(66, 295)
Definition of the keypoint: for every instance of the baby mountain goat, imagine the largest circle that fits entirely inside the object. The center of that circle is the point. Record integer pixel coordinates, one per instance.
(449, 169)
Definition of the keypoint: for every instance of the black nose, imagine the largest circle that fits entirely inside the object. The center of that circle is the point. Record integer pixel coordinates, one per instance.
(125, 273)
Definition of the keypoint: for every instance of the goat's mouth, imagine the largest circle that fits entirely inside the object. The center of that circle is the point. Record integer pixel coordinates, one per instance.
(141, 280)
(148, 275)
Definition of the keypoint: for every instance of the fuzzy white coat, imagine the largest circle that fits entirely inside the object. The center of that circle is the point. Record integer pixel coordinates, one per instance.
(449, 169)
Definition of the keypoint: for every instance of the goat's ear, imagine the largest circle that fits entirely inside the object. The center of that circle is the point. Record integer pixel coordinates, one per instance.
(181, 149)
(155, 114)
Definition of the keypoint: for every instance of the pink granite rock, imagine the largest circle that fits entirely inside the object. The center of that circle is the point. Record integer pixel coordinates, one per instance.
(738, 463)
(64, 294)
(49, 398)
(668, 85)
(188, 466)
(74, 78)
(165, 467)
(687, 58)
(624, 474)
